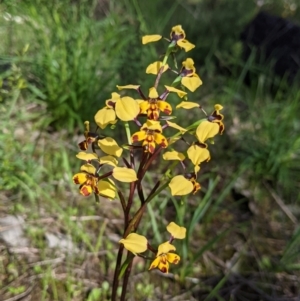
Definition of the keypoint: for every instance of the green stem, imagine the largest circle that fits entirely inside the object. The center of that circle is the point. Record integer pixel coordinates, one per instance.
(128, 133)
(160, 72)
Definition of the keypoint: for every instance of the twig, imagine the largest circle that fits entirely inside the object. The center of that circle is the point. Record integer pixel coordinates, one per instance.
(281, 204)
(18, 297)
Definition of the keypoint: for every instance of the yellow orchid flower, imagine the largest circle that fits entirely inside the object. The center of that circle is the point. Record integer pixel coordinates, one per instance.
(124, 108)
(89, 137)
(217, 118)
(107, 115)
(178, 35)
(87, 180)
(150, 134)
(153, 105)
(189, 77)
(164, 257)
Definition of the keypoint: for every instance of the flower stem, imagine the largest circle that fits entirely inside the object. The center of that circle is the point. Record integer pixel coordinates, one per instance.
(125, 279)
(116, 274)
(128, 133)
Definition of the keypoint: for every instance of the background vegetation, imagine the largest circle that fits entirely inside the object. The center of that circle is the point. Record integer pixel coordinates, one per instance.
(59, 61)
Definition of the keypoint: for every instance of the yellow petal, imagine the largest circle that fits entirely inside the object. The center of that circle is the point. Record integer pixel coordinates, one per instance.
(153, 93)
(176, 231)
(165, 248)
(189, 64)
(115, 96)
(206, 130)
(178, 30)
(139, 136)
(179, 92)
(152, 125)
(188, 105)
(164, 107)
(104, 117)
(135, 243)
(160, 140)
(110, 147)
(127, 108)
(218, 107)
(176, 126)
(89, 168)
(134, 87)
(198, 154)
(185, 44)
(192, 83)
(173, 258)
(155, 67)
(151, 38)
(144, 106)
(179, 185)
(86, 156)
(107, 188)
(80, 178)
(109, 160)
(173, 155)
(155, 263)
(124, 174)
(163, 266)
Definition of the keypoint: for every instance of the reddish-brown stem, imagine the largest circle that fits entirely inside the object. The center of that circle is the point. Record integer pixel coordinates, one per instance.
(105, 175)
(140, 192)
(148, 163)
(129, 204)
(153, 190)
(160, 72)
(125, 280)
(117, 271)
(123, 202)
(144, 159)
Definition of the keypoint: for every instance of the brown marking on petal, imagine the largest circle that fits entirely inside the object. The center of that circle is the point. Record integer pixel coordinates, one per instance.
(151, 148)
(163, 143)
(76, 180)
(111, 103)
(164, 270)
(185, 72)
(176, 37)
(176, 260)
(83, 145)
(167, 111)
(84, 190)
(135, 138)
(221, 130)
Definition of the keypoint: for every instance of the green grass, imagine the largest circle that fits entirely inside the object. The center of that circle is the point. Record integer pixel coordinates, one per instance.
(76, 56)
